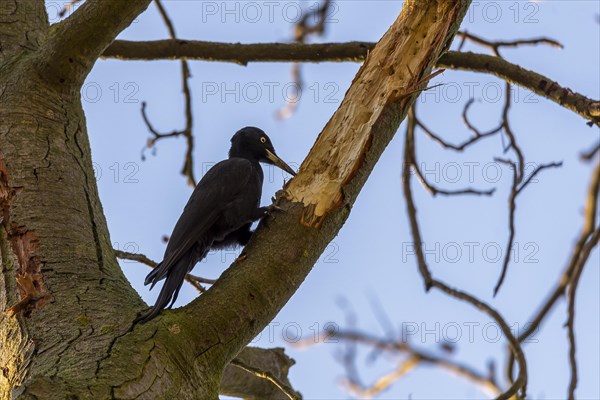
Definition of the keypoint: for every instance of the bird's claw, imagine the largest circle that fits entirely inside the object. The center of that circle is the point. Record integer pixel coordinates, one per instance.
(269, 212)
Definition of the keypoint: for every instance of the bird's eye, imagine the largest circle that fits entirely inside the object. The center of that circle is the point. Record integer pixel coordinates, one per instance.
(263, 139)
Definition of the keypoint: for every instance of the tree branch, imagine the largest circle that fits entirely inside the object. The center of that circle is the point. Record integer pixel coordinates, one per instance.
(257, 374)
(238, 53)
(518, 184)
(193, 280)
(588, 155)
(414, 122)
(587, 240)
(590, 235)
(75, 43)
(458, 147)
(495, 46)
(351, 51)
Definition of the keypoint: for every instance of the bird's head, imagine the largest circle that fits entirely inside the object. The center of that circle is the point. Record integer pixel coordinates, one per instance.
(252, 143)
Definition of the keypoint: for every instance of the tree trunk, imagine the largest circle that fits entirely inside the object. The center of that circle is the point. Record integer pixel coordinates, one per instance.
(71, 334)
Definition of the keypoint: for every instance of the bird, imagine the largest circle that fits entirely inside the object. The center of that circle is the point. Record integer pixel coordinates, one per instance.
(219, 213)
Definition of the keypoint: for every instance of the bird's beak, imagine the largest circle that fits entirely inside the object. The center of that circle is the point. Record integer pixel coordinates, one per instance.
(279, 162)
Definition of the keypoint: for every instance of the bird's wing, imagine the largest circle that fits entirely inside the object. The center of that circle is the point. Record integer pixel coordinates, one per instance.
(220, 185)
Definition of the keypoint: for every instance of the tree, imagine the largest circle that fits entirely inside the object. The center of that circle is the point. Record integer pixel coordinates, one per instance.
(70, 332)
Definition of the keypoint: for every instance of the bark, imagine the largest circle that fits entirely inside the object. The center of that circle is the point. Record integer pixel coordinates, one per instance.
(71, 334)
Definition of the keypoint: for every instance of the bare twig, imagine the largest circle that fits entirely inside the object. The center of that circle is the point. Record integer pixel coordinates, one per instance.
(537, 170)
(570, 324)
(521, 382)
(303, 29)
(495, 46)
(588, 155)
(157, 135)
(516, 188)
(67, 7)
(141, 258)
(580, 256)
(512, 141)
(188, 165)
(512, 206)
(460, 147)
(193, 280)
(586, 250)
(469, 124)
(588, 239)
(589, 231)
(410, 205)
(431, 188)
(382, 383)
(519, 166)
(518, 175)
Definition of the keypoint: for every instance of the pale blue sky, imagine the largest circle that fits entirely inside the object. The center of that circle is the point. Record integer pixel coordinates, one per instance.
(369, 258)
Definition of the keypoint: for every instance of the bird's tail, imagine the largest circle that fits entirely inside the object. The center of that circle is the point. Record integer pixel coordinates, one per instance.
(170, 290)
(157, 274)
(151, 277)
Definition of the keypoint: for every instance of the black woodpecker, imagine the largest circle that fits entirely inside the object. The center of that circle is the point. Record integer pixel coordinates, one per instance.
(218, 214)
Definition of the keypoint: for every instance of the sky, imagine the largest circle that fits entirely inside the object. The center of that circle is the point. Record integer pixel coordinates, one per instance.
(369, 267)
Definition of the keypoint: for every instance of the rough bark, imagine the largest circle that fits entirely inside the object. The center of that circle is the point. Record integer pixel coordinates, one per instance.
(71, 335)
(57, 259)
(22, 26)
